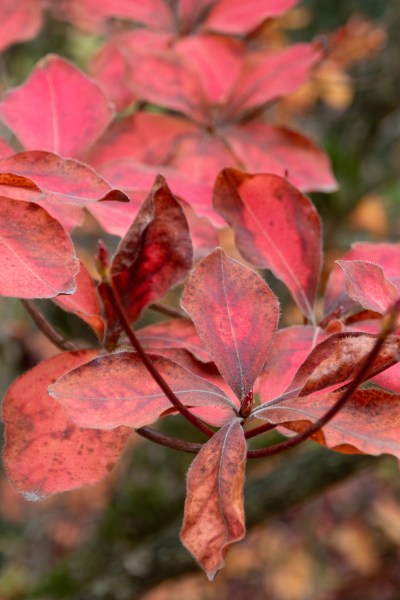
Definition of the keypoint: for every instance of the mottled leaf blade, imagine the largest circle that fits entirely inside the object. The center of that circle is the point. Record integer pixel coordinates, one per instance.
(116, 389)
(369, 423)
(45, 453)
(214, 511)
(220, 297)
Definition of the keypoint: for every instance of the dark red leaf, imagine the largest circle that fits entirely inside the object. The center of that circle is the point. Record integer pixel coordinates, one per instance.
(155, 254)
(37, 259)
(276, 227)
(220, 297)
(116, 389)
(45, 452)
(214, 511)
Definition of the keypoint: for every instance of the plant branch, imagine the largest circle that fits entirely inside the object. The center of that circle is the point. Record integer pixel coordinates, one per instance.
(168, 441)
(250, 433)
(46, 328)
(388, 325)
(152, 369)
(166, 310)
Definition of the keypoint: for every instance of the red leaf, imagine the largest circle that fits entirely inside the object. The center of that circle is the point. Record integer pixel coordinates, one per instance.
(291, 347)
(276, 227)
(367, 285)
(369, 423)
(238, 17)
(57, 109)
(219, 297)
(214, 512)
(384, 255)
(178, 333)
(155, 254)
(266, 76)
(264, 148)
(37, 258)
(84, 302)
(117, 389)
(45, 453)
(20, 21)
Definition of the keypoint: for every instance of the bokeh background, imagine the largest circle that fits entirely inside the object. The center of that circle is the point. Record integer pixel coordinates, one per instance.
(321, 525)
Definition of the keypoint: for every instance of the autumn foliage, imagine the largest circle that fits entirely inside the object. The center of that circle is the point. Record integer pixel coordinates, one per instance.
(193, 155)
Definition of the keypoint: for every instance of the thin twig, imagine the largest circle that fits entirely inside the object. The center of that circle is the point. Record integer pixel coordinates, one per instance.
(167, 310)
(168, 441)
(152, 369)
(40, 320)
(250, 433)
(388, 325)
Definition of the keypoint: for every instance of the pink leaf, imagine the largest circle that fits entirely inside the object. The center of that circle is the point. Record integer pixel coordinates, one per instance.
(264, 148)
(367, 285)
(5, 148)
(84, 302)
(37, 259)
(276, 227)
(266, 76)
(390, 378)
(57, 109)
(117, 389)
(219, 297)
(59, 180)
(20, 21)
(384, 255)
(214, 512)
(238, 17)
(291, 347)
(45, 452)
(155, 254)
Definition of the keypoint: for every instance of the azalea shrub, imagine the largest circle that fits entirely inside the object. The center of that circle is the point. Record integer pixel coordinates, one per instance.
(167, 144)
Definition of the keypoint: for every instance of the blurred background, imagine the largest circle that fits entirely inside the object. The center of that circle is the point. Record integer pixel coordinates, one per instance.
(321, 525)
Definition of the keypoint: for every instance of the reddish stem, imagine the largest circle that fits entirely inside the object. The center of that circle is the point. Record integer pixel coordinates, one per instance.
(168, 441)
(152, 369)
(47, 329)
(258, 430)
